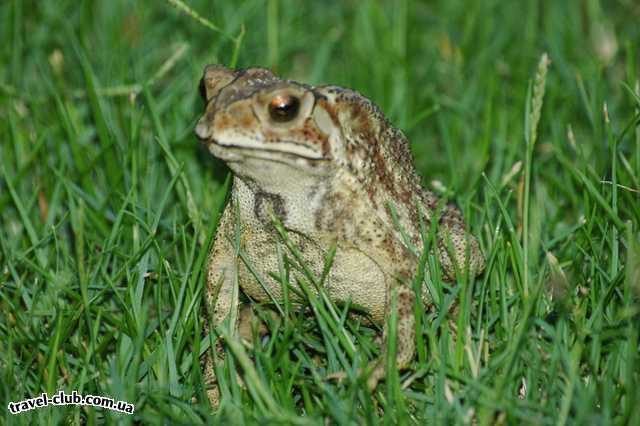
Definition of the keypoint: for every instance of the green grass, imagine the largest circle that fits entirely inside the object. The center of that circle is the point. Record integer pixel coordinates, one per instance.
(108, 205)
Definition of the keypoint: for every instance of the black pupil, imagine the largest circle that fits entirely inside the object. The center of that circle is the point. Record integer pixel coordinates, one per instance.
(284, 108)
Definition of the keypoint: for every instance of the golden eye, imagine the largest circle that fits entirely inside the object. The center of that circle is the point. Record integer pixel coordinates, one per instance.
(284, 108)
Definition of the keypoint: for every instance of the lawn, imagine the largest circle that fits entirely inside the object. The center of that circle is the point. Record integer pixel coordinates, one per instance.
(108, 206)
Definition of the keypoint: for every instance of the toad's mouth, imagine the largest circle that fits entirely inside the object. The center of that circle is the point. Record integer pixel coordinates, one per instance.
(274, 151)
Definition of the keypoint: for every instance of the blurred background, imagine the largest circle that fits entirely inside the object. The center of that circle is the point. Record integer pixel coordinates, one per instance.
(469, 62)
(451, 75)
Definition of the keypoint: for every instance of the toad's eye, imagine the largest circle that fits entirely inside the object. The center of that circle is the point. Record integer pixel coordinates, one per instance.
(284, 108)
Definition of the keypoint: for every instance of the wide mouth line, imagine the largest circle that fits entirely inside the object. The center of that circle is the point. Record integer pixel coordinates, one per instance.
(266, 150)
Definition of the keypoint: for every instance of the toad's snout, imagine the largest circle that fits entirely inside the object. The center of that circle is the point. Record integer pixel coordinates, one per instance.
(203, 129)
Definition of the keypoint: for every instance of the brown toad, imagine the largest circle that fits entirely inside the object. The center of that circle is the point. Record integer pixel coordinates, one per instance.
(327, 163)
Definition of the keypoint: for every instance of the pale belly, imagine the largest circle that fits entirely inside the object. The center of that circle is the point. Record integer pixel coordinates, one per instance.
(353, 276)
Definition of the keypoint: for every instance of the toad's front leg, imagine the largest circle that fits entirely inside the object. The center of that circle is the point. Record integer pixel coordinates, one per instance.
(221, 299)
(405, 334)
